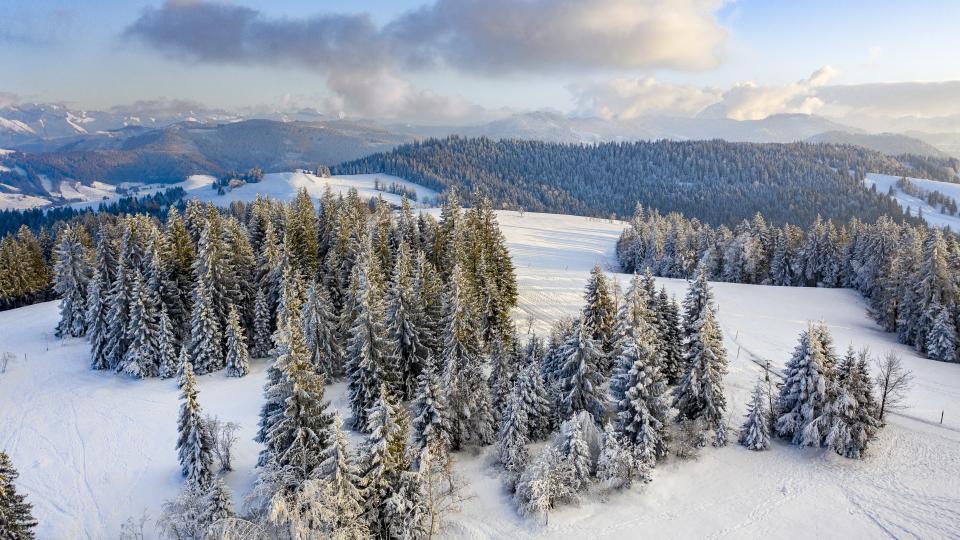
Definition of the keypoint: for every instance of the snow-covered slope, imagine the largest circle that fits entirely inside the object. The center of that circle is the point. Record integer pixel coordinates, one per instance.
(94, 448)
(931, 215)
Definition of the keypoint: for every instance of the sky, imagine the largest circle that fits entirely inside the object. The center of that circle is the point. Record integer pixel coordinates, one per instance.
(460, 61)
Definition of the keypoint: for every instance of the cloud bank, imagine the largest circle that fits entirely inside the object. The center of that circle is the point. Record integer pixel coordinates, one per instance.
(363, 62)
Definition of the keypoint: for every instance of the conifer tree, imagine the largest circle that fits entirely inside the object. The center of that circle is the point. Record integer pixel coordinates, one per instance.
(341, 480)
(178, 258)
(431, 429)
(142, 358)
(699, 395)
(576, 452)
(205, 332)
(119, 299)
(319, 327)
(166, 347)
(600, 315)
(513, 436)
(853, 409)
(429, 292)
(16, 519)
(238, 357)
(803, 395)
(194, 441)
(219, 505)
(579, 377)
(404, 316)
(72, 274)
(503, 374)
(755, 433)
(670, 337)
(262, 326)
(642, 411)
(617, 465)
(536, 402)
(383, 457)
(98, 297)
(942, 337)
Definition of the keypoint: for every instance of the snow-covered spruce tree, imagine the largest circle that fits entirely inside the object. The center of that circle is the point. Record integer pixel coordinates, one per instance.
(580, 379)
(576, 452)
(942, 337)
(98, 298)
(262, 326)
(541, 418)
(178, 254)
(853, 409)
(341, 481)
(696, 303)
(238, 358)
(405, 513)
(803, 395)
(617, 466)
(671, 338)
(547, 482)
(205, 332)
(119, 298)
(142, 358)
(298, 431)
(755, 433)
(404, 318)
(503, 373)
(600, 316)
(166, 347)
(194, 443)
(636, 320)
(320, 329)
(513, 438)
(699, 395)
(428, 289)
(384, 455)
(218, 499)
(16, 519)
(470, 410)
(239, 269)
(72, 272)
(368, 357)
(642, 410)
(431, 430)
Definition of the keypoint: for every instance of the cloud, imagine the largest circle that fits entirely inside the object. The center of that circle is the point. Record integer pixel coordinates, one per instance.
(8, 98)
(363, 61)
(626, 99)
(920, 99)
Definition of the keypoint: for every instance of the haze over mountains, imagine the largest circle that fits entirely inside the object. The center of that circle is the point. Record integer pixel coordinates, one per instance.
(166, 142)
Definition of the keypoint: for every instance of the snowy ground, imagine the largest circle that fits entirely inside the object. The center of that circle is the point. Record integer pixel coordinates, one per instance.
(199, 186)
(931, 215)
(94, 449)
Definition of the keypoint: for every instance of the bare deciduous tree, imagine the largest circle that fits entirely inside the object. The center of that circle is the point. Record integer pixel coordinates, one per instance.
(224, 436)
(893, 381)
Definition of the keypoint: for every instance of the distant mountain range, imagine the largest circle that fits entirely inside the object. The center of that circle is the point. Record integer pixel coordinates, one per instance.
(151, 143)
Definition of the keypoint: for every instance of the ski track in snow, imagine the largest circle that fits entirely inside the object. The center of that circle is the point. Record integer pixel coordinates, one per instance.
(94, 448)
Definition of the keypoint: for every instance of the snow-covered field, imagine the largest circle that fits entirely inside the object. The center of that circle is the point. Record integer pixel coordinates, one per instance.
(277, 185)
(94, 448)
(931, 215)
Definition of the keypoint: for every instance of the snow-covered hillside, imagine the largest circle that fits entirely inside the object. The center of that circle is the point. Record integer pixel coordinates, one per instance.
(276, 185)
(94, 448)
(931, 215)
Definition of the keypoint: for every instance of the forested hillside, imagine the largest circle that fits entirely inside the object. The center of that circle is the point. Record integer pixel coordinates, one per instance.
(716, 181)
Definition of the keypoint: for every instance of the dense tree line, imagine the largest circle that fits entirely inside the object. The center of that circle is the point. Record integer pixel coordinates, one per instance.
(944, 203)
(717, 181)
(908, 273)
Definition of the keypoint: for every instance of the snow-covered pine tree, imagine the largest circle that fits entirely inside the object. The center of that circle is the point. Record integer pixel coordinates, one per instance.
(166, 346)
(238, 357)
(600, 316)
(512, 438)
(431, 430)
(671, 338)
(755, 433)
(470, 410)
(98, 298)
(262, 326)
(342, 481)
(428, 289)
(320, 329)
(119, 299)
(579, 378)
(536, 402)
(803, 395)
(142, 358)
(617, 466)
(211, 275)
(72, 272)
(404, 317)
(16, 518)
(547, 482)
(635, 320)
(576, 452)
(219, 505)
(368, 357)
(178, 254)
(194, 442)
(205, 332)
(642, 410)
(405, 513)
(853, 409)
(696, 303)
(699, 395)
(942, 337)
(503, 374)
(384, 456)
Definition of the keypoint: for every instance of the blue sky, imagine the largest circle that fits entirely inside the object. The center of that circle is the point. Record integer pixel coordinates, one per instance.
(95, 54)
